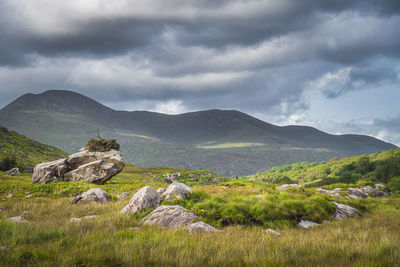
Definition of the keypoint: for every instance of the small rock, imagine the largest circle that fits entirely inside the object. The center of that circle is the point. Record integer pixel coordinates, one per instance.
(306, 224)
(134, 228)
(13, 172)
(170, 217)
(10, 196)
(287, 186)
(177, 190)
(17, 219)
(273, 232)
(75, 220)
(124, 195)
(201, 227)
(93, 195)
(160, 190)
(89, 217)
(4, 248)
(344, 211)
(28, 196)
(145, 198)
(25, 212)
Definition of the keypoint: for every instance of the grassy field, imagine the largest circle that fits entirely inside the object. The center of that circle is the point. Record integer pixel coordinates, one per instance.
(242, 209)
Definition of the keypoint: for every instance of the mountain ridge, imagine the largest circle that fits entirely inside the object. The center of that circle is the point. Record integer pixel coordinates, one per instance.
(211, 139)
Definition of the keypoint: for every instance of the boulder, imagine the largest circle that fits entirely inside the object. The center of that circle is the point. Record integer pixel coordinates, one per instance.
(272, 232)
(13, 172)
(10, 196)
(17, 219)
(93, 167)
(93, 195)
(344, 211)
(357, 193)
(124, 195)
(160, 190)
(334, 192)
(287, 186)
(145, 198)
(170, 217)
(306, 224)
(177, 190)
(47, 172)
(201, 227)
(374, 192)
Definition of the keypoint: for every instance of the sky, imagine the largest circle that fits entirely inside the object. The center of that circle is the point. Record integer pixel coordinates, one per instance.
(333, 65)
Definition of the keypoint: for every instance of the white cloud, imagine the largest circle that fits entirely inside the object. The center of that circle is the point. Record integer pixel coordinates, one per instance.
(170, 107)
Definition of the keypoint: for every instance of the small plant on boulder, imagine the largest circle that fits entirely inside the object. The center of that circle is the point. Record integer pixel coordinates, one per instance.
(102, 145)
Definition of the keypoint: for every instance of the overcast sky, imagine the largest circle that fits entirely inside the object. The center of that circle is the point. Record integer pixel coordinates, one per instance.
(331, 64)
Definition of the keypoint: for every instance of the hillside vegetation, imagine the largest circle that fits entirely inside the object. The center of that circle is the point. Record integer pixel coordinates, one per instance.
(25, 151)
(228, 142)
(243, 209)
(383, 167)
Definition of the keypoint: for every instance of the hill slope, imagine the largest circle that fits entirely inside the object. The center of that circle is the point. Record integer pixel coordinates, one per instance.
(27, 152)
(225, 141)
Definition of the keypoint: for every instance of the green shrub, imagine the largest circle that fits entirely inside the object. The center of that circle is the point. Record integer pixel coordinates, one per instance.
(8, 163)
(102, 145)
(394, 183)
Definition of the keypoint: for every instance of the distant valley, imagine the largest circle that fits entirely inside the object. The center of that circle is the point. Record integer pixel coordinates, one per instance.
(228, 142)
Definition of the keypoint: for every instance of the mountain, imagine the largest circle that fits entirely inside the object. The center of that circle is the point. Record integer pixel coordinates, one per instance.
(27, 152)
(228, 142)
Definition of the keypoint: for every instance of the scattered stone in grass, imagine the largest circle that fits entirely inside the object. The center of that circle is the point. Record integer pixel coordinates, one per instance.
(344, 211)
(93, 195)
(28, 196)
(13, 172)
(306, 224)
(10, 196)
(334, 192)
(170, 217)
(272, 232)
(75, 220)
(201, 227)
(134, 228)
(177, 190)
(145, 198)
(258, 196)
(17, 219)
(89, 217)
(2, 248)
(124, 195)
(2, 209)
(356, 193)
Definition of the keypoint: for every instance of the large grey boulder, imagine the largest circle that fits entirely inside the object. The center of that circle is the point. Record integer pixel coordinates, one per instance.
(47, 172)
(356, 193)
(285, 187)
(170, 217)
(145, 198)
(13, 172)
(344, 211)
(177, 190)
(92, 167)
(93, 195)
(374, 191)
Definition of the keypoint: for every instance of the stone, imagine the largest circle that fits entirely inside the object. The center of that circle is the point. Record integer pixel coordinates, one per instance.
(287, 186)
(93, 195)
(145, 198)
(124, 195)
(83, 218)
(170, 217)
(92, 167)
(201, 227)
(17, 219)
(334, 192)
(2, 248)
(13, 172)
(28, 196)
(344, 211)
(177, 190)
(357, 192)
(75, 220)
(272, 232)
(374, 192)
(10, 196)
(160, 190)
(306, 224)
(48, 172)
(2, 209)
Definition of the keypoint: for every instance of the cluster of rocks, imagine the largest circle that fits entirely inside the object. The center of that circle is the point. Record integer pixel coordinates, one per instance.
(285, 187)
(93, 167)
(170, 177)
(378, 190)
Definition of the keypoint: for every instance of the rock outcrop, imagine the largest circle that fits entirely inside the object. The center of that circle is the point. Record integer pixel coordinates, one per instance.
(306, 224)
(17, 219)
(93, 195)
(177, 190)
(362, 192)
(145, 198)
(344, 211)
(201, 227)
(93, 167)
(13, 172)
(334, 192)
(272, 232)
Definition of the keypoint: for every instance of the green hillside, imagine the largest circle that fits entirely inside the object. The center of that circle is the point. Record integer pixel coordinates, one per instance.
(26, 152)
(383, 167)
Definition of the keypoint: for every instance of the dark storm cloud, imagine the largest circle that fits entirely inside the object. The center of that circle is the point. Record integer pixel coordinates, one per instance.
(250, 55)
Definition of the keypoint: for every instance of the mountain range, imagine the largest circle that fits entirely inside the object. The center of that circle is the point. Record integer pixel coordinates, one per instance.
(228, 142)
